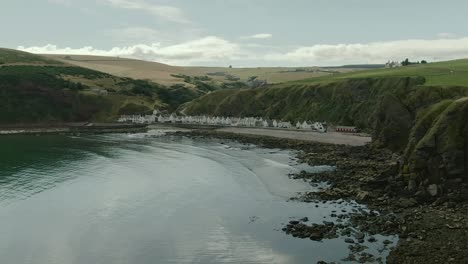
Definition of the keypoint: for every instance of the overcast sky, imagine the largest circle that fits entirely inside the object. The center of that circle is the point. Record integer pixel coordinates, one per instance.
(240, 32)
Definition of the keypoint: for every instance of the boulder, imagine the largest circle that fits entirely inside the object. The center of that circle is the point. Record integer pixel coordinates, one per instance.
(432, 190)
(359, 235)
(316, 236)
(362, 195)
(405, 203)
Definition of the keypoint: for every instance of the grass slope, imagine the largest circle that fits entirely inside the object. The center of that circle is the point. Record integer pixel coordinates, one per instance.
(9, 56)
(37, 89)
(347, 102)
(447, 73)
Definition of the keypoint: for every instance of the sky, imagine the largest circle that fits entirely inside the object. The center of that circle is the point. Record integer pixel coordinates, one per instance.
(241, 33)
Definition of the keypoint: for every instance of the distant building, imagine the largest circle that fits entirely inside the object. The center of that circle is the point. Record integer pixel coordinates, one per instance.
(158, 117)
(393, 64)
(99, 91)
(347, 129)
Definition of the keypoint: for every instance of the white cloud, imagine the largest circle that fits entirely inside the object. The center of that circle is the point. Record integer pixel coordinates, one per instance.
(204, 50)
(259, 36)
(446, 35)
(217, 51)
(170, 13)
(375, 52)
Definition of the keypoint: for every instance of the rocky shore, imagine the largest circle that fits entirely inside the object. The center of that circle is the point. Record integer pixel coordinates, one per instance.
(432, 226)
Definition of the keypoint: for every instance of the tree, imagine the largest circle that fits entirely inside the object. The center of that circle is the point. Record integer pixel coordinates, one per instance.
(405, 62)
(423, 62)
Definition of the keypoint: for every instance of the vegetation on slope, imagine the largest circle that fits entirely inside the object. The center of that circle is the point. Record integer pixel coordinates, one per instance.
(65, 94)
(9, 56)
(347, 102)
(36, 96)
(30, 82)
(438, 148)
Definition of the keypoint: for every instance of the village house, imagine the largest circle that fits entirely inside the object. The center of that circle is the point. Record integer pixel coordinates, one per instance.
(158, 117)
(306, 125)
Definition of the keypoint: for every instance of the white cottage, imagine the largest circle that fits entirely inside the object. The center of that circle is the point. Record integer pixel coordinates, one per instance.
(306, 125)
(320, 127)
(275, 123)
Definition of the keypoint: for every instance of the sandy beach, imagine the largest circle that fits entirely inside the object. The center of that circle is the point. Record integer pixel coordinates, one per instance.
(329, 137)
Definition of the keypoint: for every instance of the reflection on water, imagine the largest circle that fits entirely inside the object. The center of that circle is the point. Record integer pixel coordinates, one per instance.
(143, 199)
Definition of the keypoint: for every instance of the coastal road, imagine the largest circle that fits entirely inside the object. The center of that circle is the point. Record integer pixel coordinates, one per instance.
(329, 137)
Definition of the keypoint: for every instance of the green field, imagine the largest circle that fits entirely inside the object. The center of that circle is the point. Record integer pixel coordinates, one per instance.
(447, 73)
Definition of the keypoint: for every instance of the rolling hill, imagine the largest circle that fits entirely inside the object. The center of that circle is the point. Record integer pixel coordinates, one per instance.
(37, 89)
(167, 74)
(15, 57)
(447, 73)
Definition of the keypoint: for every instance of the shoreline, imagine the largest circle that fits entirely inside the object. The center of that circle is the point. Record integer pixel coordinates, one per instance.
(71, 128)
(98, 128)
(331, 137)
(431, 229)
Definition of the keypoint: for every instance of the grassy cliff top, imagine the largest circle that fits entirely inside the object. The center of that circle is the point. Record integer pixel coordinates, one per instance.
(447, 73)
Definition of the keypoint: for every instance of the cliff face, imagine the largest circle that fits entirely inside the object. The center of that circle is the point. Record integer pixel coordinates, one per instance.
(350, 102)
(438, 149)
(427, 125)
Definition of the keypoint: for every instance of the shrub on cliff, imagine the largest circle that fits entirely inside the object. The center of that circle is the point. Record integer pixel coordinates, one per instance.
(442, 153)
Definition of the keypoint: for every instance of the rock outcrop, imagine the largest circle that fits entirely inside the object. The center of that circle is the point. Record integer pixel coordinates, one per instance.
(440, 155)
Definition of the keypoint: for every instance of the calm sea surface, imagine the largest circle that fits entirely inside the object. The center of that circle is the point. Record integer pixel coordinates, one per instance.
(150, 199)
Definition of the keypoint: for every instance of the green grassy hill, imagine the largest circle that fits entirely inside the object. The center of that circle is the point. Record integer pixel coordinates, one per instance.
(36, 89)
(447, 73)
(9, 56)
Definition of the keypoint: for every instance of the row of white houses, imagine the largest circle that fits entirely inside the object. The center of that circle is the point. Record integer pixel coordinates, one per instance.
(221, 121)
